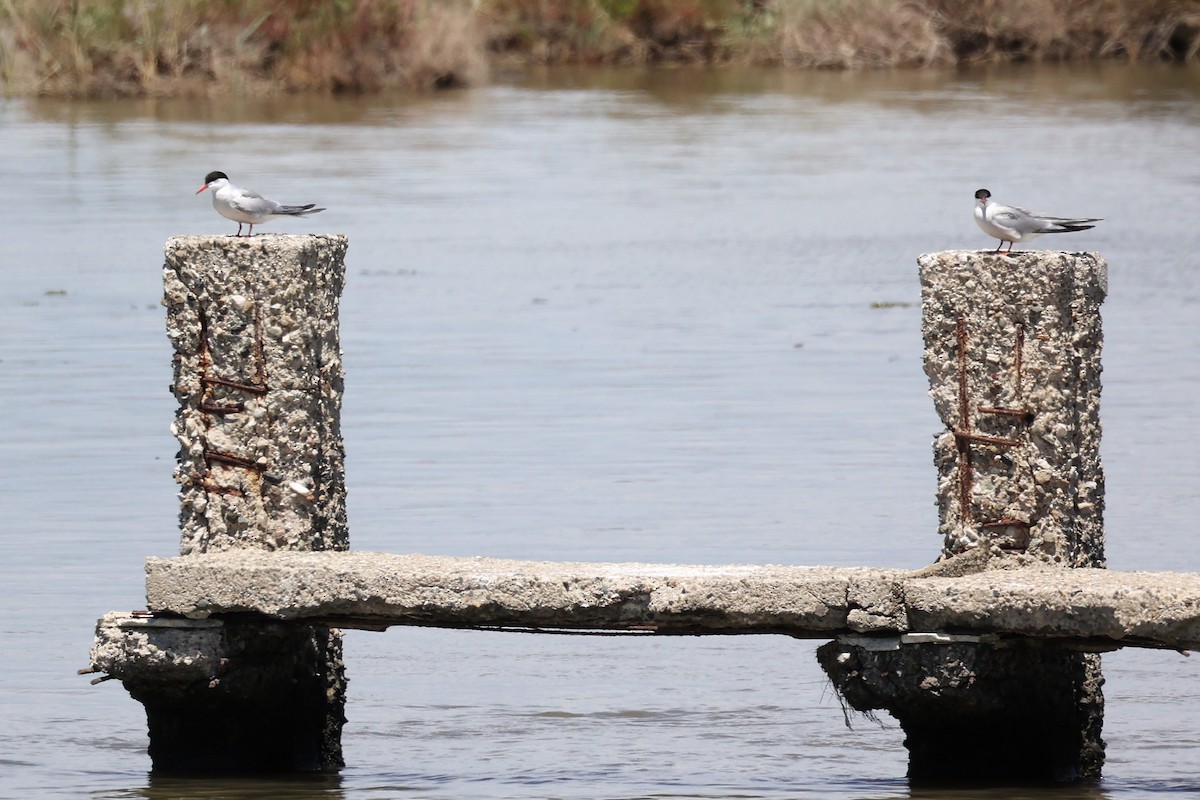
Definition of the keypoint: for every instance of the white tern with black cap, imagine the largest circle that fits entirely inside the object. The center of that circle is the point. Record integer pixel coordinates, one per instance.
(246, 207)
(1012, 224)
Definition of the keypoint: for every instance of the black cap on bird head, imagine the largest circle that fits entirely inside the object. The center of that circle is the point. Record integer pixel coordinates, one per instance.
(982, 194)
(212, 176)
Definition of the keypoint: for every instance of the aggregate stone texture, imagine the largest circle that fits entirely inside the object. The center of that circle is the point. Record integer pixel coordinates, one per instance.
(258, 375)
(1012, 352)
(179, 651)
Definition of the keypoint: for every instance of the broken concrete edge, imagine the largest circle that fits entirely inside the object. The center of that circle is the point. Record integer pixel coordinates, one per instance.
(152, 650)
(131, 645)
(376, 590)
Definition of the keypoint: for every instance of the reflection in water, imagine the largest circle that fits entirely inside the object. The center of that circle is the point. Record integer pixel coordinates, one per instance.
(208, 787)
(591, 315)
(1102, 89)
(1012, 793)
(1057, 86)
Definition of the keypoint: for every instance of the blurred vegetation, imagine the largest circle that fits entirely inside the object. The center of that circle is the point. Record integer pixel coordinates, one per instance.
(166, 47)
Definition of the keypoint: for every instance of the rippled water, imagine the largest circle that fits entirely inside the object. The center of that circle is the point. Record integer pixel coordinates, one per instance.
(594, 316)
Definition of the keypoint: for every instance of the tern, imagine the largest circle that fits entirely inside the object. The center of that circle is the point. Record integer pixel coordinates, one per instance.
(246, 207)
(1011, 224)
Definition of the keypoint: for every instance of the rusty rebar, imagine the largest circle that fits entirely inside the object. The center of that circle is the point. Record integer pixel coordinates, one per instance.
(260, 361)
(251, 388)
(1018, 358)
(230, 460)
(221, 409)
(1006, 522)
(981, 438)
(1016, 542)
(202, 350)
(1023, 414)
(213, 488)
(961, 436)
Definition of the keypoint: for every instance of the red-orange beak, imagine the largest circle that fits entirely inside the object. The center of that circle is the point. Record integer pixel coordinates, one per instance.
(202, 188)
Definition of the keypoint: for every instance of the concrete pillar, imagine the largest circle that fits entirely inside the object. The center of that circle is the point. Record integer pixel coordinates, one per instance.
(1012, 351)
(258, 375)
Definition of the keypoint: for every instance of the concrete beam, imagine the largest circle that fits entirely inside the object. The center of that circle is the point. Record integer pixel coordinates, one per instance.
(377, 589)
(374, 590)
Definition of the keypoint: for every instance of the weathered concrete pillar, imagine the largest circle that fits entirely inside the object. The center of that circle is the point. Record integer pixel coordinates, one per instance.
(1012, 351)
(258, 375)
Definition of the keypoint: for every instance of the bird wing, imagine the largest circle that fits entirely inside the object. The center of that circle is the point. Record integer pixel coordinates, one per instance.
(1048, 223)
(249, 202)
(1072, 220)
(1018, 220)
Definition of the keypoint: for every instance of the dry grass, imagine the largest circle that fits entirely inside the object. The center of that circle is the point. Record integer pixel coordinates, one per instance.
(449, 51)
(851, 35)
(843, 34)
(167, 47)
(1007, 30)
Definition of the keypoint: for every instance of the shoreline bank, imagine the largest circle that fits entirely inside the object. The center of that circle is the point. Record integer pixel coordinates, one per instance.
(161, 48)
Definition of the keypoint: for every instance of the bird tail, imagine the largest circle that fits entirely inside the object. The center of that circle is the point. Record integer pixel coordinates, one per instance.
(298, 211)
(1065, 225)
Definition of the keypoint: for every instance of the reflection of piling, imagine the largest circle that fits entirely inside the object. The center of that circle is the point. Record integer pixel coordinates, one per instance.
(258, 376)
(1012, 351)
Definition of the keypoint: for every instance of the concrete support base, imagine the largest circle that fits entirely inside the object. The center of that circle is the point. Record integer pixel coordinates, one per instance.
(979, 714)
(276, 704)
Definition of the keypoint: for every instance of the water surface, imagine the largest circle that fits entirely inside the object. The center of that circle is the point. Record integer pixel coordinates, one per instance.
(590, 315)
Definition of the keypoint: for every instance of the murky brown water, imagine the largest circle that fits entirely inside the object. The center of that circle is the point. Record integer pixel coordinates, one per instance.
(593, 316)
